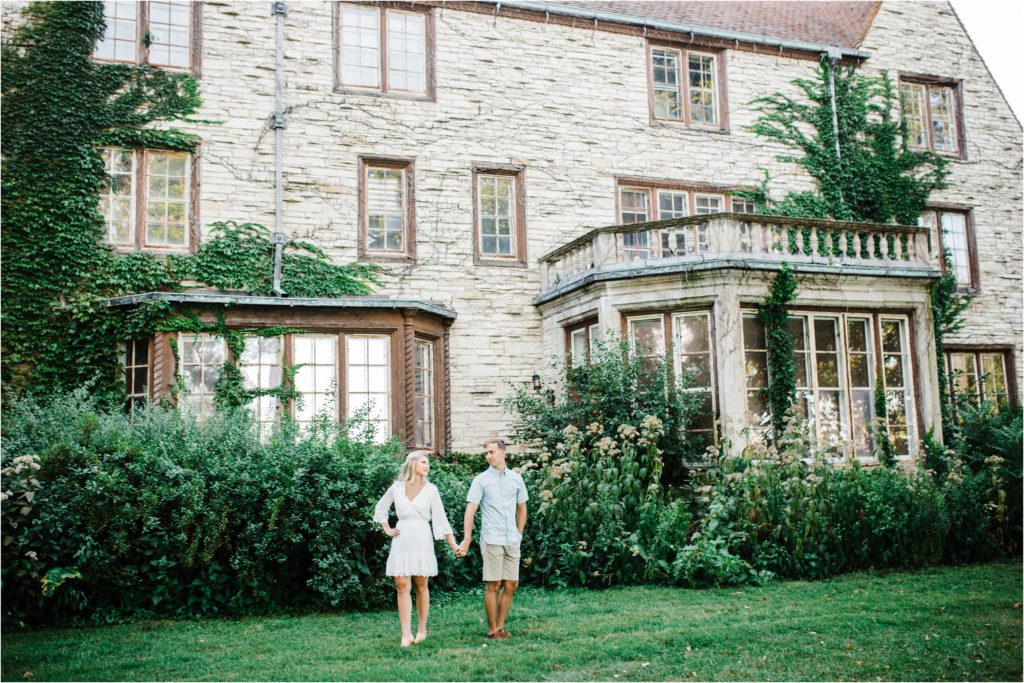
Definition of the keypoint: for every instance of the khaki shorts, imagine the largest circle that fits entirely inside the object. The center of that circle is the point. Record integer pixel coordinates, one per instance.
(501, 562)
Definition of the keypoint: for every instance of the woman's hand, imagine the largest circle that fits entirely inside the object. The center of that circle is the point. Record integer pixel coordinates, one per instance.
(393, 533)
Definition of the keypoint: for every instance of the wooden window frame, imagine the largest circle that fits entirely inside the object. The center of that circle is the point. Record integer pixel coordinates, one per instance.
(142, 48)
(518, 173)
(721, 89)
(139, 189)
(127, 352)
(179, 370)
(383, 88)
(959, 129)
(1009, 368)
(653, 185)
(973, 266)
(408, 167)
(586, 326)
(436, 386)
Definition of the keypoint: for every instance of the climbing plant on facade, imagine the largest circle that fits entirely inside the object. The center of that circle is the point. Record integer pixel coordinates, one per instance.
(774, 313)
(60, 107)
(859, 160)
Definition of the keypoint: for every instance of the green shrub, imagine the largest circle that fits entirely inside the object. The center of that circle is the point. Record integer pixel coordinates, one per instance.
(616, 387)
(154, 514)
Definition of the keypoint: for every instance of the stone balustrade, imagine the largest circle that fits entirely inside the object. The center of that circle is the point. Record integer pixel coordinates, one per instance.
(727, 238)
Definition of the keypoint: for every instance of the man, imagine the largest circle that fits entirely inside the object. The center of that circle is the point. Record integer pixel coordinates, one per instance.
(501, 494)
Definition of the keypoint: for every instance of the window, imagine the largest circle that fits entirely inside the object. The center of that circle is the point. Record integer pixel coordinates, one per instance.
(147, 201)
(201, 357)
(953, 231)
(693, 358)
(499, 217)
(647, 338)
(369, 382)
(424, 393)
(135, 361)
(836, 369)
(931, 110)
(166, 39)
(669, 201)
(582, 341)
(316, 379)
(384, 49)
(978, 376)
(387, 221)
(685, 86)
(260, 366)
(743, 205)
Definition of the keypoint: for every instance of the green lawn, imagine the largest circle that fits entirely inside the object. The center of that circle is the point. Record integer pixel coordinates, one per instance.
(940, 624)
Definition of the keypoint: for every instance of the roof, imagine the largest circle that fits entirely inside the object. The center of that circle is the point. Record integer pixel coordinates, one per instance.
(233, 299)
(841, 23)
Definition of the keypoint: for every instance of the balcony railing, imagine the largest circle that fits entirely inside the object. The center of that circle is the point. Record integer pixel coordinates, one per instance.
(726, 237)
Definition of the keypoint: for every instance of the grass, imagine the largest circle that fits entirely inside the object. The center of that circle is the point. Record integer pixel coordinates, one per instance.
(960, 623)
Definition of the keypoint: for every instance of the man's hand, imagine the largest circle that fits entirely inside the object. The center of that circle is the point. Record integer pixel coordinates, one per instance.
(464, 547)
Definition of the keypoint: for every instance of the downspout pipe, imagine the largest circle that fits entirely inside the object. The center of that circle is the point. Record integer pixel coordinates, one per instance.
(280, 11)
(834, 55)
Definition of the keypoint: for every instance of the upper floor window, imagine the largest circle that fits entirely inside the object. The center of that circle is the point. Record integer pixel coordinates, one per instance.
(159, 33)
(685, 85)
(953, 232)
(387, 223)
(147, 200)
(499, 216)
(932, 112)
(384, 48)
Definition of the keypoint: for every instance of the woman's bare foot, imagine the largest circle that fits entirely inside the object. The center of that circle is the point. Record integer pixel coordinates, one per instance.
(406, 642)
(420, 636)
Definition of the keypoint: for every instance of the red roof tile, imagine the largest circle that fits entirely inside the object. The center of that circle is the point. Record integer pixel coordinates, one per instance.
(843, 23)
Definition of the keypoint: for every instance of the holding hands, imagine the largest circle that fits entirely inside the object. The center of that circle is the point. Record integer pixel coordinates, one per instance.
(459, 550)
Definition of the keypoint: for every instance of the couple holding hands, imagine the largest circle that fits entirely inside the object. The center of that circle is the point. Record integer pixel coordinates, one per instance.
(501, 496)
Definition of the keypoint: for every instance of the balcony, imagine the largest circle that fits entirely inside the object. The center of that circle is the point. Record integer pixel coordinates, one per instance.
(742, 241)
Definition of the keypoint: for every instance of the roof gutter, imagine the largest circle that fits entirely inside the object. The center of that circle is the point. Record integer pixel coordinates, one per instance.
(703, 31)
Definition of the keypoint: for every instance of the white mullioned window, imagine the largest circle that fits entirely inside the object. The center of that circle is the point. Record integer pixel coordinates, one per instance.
(684, 85)
(836, 369)
(634, 207)
(993, 378)
(117, 198)
(668, 100)
(260, 366)
(167, 199)
(382, 48)
(369, 381)
(950, 233)
(135, 367)
(170, 28)
(201, 359)
(930, 111)
(424, 393)
(165, 39)
(693, 358)
(978, 376)
(407, 51)
(647, 338)
(703, 88)
(121, 35)
(316, 378)
(497, 211)
(385, 209)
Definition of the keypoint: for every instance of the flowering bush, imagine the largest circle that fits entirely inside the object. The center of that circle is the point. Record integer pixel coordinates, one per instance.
(600, 515)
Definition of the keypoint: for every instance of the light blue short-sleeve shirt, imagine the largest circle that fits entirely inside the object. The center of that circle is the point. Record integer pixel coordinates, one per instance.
(498, 494)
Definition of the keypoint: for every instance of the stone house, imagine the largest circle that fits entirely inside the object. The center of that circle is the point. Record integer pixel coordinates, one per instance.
(540, 175)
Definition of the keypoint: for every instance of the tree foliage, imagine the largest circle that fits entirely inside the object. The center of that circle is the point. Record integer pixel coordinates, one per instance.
(862, 168)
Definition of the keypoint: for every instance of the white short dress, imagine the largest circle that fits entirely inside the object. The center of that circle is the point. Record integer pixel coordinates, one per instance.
(412, 553)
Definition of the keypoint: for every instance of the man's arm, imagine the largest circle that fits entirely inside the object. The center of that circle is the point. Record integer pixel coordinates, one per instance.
(520, 517)
(467, 526)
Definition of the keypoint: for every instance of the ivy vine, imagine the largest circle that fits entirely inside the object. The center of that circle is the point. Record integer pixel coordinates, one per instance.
(863, 173)
(948, 307)
(60, 106)
(774, 313)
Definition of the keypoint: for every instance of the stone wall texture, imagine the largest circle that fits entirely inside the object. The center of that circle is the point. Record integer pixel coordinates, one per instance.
(570, 105)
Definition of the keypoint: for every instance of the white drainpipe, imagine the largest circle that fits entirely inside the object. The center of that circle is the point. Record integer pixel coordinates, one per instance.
(280, 12)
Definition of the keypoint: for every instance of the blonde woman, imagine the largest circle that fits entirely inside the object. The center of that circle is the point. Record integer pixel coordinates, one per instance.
(412, 561)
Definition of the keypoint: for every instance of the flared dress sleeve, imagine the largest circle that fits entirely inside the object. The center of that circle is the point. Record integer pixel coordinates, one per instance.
(438, 519)
(380, 513)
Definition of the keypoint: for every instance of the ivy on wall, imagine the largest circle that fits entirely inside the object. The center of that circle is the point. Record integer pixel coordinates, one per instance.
(948, 307)
(60, 106)
(774, 313)
(863, 173)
